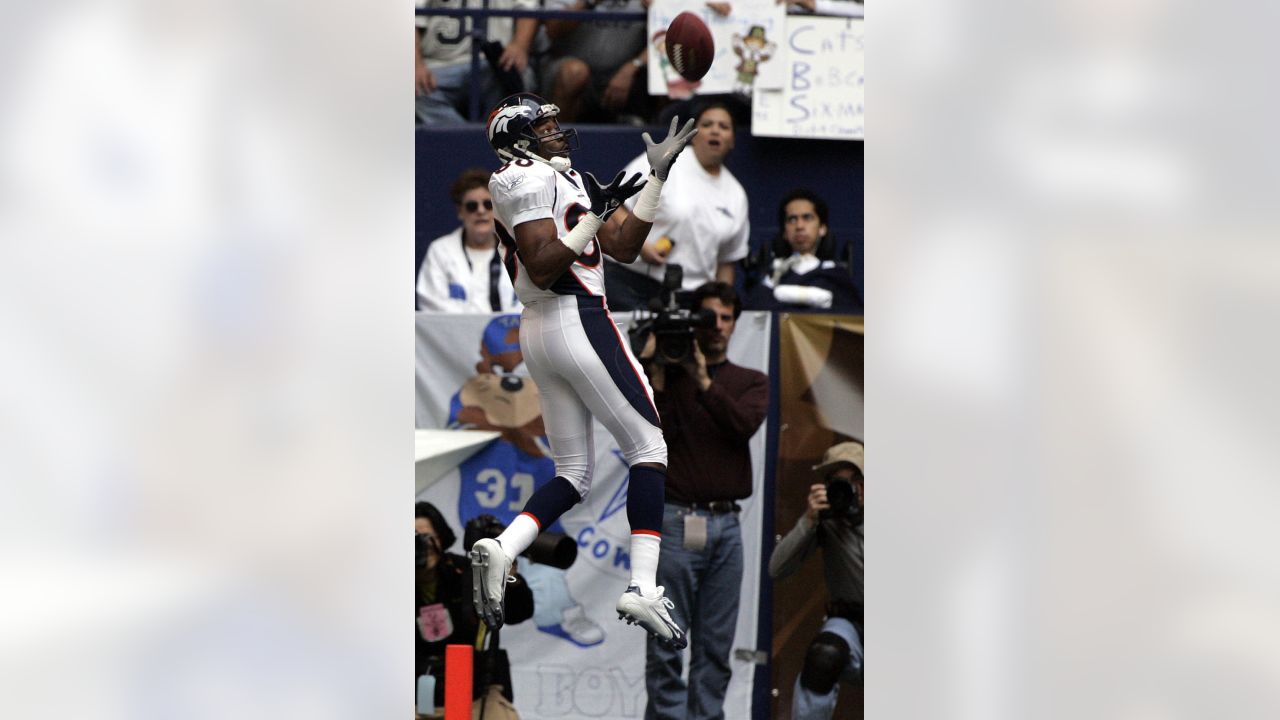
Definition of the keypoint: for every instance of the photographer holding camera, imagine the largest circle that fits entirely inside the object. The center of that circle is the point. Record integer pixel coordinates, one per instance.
(444, 609)
(710, 409)
(834, 523)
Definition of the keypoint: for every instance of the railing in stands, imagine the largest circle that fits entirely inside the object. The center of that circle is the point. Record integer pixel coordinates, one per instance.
(480, 33)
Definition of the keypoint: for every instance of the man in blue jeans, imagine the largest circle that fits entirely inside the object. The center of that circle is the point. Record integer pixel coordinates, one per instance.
(710, 408)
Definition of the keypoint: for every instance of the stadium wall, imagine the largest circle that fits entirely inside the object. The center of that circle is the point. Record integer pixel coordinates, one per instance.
(767, 167)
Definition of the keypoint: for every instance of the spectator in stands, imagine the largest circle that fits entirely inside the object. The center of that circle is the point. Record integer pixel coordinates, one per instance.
(710, 409)
(803, 275)
(702, 224)
(443, 60)
(445, 613)
(832, 522)
(841, 8)
(463, 270)
(596, 70)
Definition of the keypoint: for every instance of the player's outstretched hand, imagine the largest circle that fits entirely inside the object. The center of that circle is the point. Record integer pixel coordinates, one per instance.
(663, 155)
(606, 200)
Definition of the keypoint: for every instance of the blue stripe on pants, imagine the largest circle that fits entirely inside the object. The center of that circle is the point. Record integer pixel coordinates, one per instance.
(606, 339)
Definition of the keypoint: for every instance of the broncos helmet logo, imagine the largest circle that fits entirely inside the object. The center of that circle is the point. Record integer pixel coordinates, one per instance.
(510, 129)
(502, 117)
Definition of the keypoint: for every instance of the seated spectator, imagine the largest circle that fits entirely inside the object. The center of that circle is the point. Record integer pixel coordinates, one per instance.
(841, 8)
(463, 270)
(596, 70)
(445, 613)
(803, 276)
(443, 60)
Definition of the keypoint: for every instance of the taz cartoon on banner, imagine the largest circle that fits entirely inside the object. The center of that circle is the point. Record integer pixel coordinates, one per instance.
(574, 658)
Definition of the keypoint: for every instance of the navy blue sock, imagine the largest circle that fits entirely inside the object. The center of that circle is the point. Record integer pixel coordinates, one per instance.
(646, 493)
(551, 501)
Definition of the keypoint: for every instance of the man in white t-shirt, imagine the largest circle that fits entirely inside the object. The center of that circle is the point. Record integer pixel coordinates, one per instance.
(702, 224)
(463, 270)
(443, 58)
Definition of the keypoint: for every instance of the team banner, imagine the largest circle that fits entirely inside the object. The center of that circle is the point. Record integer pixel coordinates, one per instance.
(820, 400)
(574, 658)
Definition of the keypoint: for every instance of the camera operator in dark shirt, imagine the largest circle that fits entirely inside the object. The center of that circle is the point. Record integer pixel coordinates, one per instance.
(710, 409)
(444, 609)
(834, 523)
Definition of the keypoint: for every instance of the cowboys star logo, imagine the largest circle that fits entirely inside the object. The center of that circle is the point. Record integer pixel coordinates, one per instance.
(503, 117)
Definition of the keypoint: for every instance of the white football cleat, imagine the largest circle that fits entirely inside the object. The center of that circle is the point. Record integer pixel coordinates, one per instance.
(489, 569)
(650, 613)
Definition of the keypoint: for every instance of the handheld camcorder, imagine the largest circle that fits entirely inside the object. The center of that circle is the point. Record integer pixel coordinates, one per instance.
(555, 549)
(672, 320)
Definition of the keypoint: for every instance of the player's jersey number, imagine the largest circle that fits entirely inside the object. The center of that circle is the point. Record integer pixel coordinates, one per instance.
(520, 162)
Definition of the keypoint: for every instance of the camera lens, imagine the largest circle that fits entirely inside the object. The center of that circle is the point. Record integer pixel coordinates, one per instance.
(840, 496)
(673, 349)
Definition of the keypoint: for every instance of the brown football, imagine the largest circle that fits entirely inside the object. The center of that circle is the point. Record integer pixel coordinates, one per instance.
(689, 46)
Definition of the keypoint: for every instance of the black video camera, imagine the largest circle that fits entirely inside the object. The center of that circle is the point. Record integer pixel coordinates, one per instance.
(842, 497)
(555, 549)
(672, 320)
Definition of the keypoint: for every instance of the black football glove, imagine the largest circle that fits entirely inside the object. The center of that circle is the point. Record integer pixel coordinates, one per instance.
(606, 200)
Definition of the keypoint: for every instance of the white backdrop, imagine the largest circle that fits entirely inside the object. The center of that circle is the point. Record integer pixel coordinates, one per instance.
(555, 677)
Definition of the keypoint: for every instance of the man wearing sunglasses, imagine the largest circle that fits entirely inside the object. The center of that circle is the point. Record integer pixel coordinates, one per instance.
(463, 271)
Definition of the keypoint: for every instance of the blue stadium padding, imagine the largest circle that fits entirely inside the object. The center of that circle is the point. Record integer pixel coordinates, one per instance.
(762, 697)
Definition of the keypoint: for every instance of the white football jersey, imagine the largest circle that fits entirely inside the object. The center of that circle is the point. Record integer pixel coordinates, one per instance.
(525, 190)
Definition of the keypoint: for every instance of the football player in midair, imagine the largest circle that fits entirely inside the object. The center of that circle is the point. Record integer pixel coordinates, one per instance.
(550, 221)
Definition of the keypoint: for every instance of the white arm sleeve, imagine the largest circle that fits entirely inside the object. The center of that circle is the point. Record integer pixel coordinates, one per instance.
(803, 295)
(581, 234)
(646, 207)
(639, 165)
(841, 8)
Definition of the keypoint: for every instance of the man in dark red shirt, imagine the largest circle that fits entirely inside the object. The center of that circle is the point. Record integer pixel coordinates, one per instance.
(710, 409)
